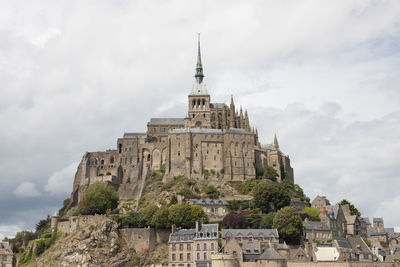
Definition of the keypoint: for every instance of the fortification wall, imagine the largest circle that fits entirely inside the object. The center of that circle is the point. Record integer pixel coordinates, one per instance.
(310, 264)
(75, 223)
(141, 239)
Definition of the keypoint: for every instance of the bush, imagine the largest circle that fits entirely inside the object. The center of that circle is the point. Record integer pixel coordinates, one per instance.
(185, 215)
(65, 204)
(270, 197)
(267, 221)
(235, 221)
(211, 191)
(187, 193)
(91, 211)
(42, 225)
(100, 196)
(73, 212)
(313, 213)
(206, 174)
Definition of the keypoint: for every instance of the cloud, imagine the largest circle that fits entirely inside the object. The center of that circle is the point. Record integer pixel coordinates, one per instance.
(8, 231)
(76, 76)
(26, 189)
(61, 181)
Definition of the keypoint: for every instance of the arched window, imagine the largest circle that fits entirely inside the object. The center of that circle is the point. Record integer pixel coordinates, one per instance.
(205, 255)
(112, 159)
(148, 157)
(120, 148)
(102, 162)
(193, 103)
(204, 103)
(198, 103)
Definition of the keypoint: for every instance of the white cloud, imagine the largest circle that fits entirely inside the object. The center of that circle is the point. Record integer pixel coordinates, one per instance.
(60, 182)
(8, 231)
(75, 76)
(26, 189)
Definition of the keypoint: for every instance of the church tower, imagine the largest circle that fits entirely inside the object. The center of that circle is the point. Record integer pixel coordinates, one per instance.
(199, 115)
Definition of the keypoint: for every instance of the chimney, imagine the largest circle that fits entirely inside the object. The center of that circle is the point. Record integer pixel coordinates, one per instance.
(173, 228)
(198, 226)
(323, 211)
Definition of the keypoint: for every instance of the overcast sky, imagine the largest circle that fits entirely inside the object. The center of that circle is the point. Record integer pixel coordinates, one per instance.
(323, 75)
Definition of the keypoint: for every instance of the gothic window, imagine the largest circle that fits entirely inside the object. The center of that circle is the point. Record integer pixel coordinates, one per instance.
(102, 162)
(120, 148)
(193, 103)
(112, 160)
(148, 157)
(198, 102)
(179, 153)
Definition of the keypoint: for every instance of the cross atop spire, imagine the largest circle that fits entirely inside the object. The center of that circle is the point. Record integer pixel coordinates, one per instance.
(199, 67)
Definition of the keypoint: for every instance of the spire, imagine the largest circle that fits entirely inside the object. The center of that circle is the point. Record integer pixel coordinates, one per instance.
(232, 103)
(276, 142)
(199, 67)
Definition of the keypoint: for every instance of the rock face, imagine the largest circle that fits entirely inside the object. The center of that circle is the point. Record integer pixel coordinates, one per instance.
(98, 244)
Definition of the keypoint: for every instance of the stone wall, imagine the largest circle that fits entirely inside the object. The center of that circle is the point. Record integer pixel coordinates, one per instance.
(141, 239)
(75, 223)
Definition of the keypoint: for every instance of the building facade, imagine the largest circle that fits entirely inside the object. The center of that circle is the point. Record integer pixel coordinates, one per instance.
(193, 247)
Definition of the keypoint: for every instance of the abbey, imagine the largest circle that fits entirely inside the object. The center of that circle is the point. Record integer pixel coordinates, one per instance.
(214, 137)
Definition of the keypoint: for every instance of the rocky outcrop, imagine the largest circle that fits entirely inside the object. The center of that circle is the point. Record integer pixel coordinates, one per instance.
(98, 244)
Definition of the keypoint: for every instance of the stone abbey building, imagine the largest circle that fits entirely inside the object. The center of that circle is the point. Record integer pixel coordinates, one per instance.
(213, 136)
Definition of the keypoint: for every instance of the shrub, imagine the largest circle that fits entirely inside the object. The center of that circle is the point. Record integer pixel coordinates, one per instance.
(235, 221)
(65, 204)
(100, 196)
(212, 172)
(270, 197)
(187, 193)
(73, 212)
(289, 225)
(211, 191)
(206, 174)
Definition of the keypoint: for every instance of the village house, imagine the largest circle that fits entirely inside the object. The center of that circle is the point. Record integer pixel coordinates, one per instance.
(215, 209)
(316, 231)
(193, 247)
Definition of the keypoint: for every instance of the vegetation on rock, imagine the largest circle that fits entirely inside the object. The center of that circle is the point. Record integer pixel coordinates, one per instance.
(98, 198)
(270, 197)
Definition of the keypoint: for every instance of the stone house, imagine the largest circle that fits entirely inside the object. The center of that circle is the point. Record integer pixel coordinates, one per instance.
(215, 209)
(320, 201)
(6, 255)
(316, 231)
(360, 249)
(246, 236)
(353, 225)
(193, 247)
(334, 218)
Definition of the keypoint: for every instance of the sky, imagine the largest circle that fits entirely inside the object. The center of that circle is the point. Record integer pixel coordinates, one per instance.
(323, 75)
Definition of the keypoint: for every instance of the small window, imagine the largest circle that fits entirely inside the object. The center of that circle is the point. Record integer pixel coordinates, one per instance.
(204, 115)
(181, 256)
(173, 247)
(188, 258)
(188, 247)
(198, 256)
(198, 248)
(173, 257)
(180, 246)
(205, 246)
(179, 153)
(212, 246)
(205, 255)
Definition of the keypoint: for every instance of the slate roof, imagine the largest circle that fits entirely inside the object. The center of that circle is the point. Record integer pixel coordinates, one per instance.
(315, 226)
(342, 242)
(251, 248)
(207, 231)
(166, 121)
(254, 232)
(270, 254)
(133, 135)
(358, 244)
(183, 235)
(199, 89)
(210, 202)
(219, 105)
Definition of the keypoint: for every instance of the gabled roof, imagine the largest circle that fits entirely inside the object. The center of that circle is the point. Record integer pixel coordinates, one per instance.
(358, 245)
(254, 232)
(343, 242)
(216, 202)
(310, 225)
(270, 254)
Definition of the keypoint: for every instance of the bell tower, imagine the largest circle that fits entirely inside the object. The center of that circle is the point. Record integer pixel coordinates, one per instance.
(199, 114)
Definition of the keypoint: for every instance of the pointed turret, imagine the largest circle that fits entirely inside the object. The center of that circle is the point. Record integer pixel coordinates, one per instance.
(199, 66)
(276, 144)
(232, 114)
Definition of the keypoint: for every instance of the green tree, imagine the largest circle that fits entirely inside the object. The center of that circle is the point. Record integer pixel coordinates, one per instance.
(148, 213)
(267, 220)
(289, 225)
(211, 191)
(185, 215)
(161, 218)
(270, 197)
(270, 173)
(353, 209)
(313, 213)
(42, 225)
(99, 196)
